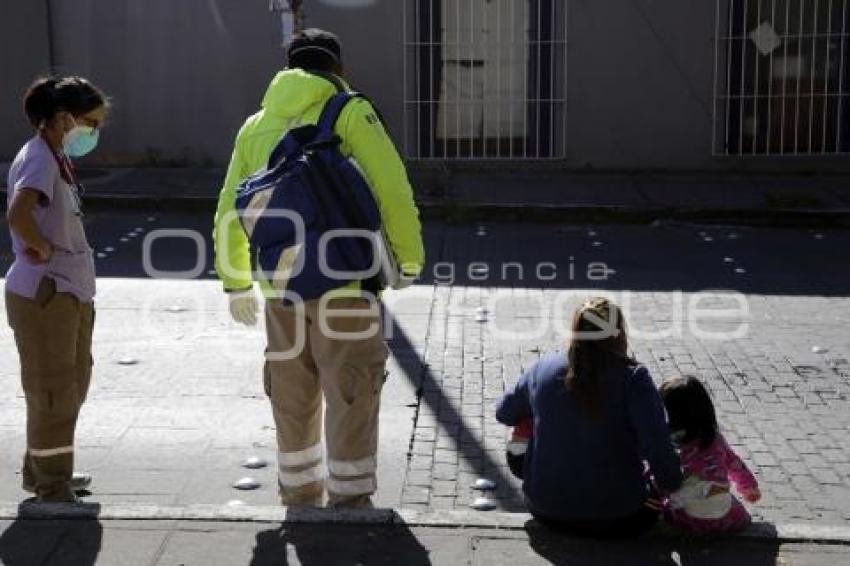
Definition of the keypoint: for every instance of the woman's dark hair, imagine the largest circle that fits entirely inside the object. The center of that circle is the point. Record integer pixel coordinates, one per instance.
(599, 345)
(690, 410)
(48, 96)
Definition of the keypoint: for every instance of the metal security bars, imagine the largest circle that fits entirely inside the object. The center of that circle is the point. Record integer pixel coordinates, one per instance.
(782, 85)
(485, 79)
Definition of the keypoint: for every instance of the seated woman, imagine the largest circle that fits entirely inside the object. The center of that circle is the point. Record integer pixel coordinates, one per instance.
(598, 420)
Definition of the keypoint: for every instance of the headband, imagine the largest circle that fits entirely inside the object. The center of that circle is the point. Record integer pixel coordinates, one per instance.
(315, 48)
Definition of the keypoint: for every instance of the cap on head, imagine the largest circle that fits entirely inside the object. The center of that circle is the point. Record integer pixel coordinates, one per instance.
(315, 49)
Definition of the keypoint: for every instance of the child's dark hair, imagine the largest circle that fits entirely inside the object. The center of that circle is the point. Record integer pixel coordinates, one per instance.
(48, 96)
(690, 410)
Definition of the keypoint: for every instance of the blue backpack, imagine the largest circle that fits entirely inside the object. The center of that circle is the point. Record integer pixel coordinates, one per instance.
(289, 210)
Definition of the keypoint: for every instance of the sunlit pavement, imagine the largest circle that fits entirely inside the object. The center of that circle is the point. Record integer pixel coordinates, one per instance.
(177, 402)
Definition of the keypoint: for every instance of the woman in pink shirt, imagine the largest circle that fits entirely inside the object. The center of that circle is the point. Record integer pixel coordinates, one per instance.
(704, 503)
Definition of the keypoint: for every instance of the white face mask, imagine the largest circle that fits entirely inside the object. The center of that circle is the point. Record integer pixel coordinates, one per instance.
(80, 140)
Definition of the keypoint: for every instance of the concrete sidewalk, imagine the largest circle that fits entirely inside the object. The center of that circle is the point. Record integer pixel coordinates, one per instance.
(178, 404)
(209, 537)
(547, 193)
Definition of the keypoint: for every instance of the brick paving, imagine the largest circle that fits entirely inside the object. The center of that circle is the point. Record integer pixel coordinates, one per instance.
(781, 390)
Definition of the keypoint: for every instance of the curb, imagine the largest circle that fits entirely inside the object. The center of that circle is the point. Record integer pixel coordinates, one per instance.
(460, 211)
(455, 519)
(542, 213)
(553, 213)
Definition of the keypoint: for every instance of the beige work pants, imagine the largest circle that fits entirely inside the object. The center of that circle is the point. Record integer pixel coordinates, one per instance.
(306, 362)
(53, 333)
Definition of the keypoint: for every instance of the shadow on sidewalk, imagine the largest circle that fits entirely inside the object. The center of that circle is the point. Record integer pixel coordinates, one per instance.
(449, 419)
(315, 544)
(31, 539)
(557, 549)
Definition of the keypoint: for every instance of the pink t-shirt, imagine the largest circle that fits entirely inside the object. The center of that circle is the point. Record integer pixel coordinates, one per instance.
(718, 463)
(705, 502)
(60, 221)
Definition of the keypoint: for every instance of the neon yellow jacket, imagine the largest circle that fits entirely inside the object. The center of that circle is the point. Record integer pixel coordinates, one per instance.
(294, 98)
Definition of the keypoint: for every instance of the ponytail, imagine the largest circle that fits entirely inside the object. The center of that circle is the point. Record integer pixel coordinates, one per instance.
(39, 101)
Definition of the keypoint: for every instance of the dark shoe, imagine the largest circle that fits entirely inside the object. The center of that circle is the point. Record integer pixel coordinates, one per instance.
(304, 498)
(57, 493)
(79, 482)
(359, 502)
(303, 502)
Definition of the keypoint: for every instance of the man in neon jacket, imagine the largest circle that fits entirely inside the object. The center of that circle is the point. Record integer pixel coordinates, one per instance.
(332, 346)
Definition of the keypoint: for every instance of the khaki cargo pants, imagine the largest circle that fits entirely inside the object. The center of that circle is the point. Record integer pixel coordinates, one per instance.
(349, 369)
(53, 333)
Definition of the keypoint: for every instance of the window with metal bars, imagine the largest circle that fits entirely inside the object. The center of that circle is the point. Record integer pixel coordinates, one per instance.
(485, 79)
(782, 84)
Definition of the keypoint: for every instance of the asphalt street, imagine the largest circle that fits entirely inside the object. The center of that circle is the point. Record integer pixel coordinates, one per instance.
(663, 256)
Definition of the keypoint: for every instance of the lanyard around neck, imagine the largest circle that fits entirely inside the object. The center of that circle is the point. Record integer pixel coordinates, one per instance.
(66, 168)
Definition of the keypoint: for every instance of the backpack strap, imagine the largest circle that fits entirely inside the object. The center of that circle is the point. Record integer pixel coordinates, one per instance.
(334, 106)
(331, 78)
(289, 145)
(332, 110)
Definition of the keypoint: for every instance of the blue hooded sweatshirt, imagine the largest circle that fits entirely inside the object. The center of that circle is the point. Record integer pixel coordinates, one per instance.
(581, 467)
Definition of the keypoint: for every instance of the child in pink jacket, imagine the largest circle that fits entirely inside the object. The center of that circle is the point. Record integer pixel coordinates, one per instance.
(705, 503)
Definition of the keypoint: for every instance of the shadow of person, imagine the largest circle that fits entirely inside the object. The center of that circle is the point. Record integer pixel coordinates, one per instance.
(323, 543)
(758, 546)
(48, 534)
(654, 549)
(560, 549)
